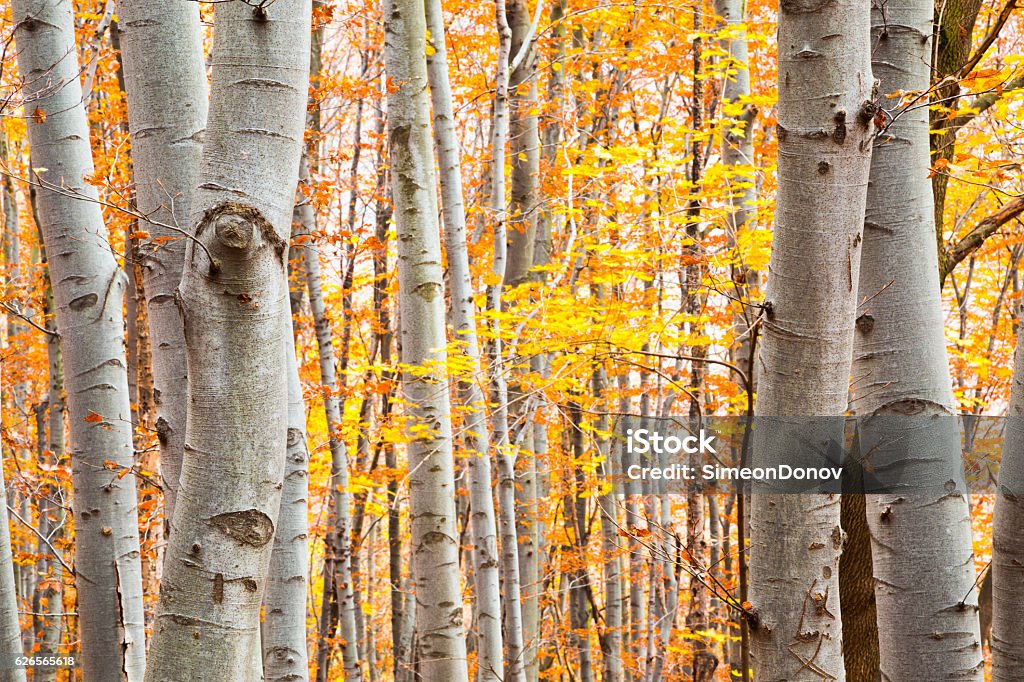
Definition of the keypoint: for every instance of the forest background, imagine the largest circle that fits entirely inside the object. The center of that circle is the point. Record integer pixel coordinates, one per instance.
(624, 160)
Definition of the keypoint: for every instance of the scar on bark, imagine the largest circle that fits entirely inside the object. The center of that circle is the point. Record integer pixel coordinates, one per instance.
(234, 226)
(249, 527)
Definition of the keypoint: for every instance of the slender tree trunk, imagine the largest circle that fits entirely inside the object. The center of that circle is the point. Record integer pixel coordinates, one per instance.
(284, 603)
(10, 628)
(577, 526)
(88, 292)
(234, 301)
(824, 81)
(1007, 642)
(487, 612)
(524, 144)
(341, 542)
(510, 586)
(167, 106)
(738, 157)
(921, 542)
(611, 640)
(50, 434)
(440, 642)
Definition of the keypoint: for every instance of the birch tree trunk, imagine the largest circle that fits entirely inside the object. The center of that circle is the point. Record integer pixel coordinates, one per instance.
(10, 628)
(921, 542)
(611, 640)
(234, 301)
(341, 543)
(440, 641)
(524, 144)
(487, 613)
(824, 130)
(88, 290)
(1007, 641)
(165, 86)
(510, 587)
(284, 627)
(738, 156)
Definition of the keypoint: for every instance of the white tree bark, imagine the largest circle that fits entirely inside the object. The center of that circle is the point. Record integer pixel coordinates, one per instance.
(921, 543)
(490, 664)
(510, 586)
(824, 158)
(10, 628)
(88, 290)
(234, 301)
(738, 156)
(334, 409)
(1007, 640)
(440, 640)
(165, 84)
(611, 640)
(285, 658)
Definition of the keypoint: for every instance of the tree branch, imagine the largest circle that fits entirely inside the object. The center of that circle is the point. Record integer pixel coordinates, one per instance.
(986, 227)
(993, 33)
(983, 102)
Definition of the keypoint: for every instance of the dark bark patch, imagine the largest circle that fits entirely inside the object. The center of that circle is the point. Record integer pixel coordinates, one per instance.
(83, 302)
(865, 323)
(837, 537)
(802, 6)
(249, 527)
(218, 588)
(823, 167)
(839, 132)
(163, 430)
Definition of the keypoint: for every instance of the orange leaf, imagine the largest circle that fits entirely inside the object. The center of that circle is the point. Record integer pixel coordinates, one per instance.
(39, 115)
(94, 418)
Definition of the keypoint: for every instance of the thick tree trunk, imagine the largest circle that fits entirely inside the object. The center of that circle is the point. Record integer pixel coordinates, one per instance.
(167, 106)
(486, 578)
(824, 131)
(88, 292)
(284, 603)
(921, 542)
(856, 580)
(440, 642)
(1007, 641)
(234, 300)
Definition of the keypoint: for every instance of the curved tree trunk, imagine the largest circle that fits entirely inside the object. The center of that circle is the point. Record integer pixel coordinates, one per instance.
(440, 640)
(824, 80)
(89, 292)
(167, 105)
(234, 300)
(921, 542)
(284, 603)
(487, 612)
(1007, 641)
